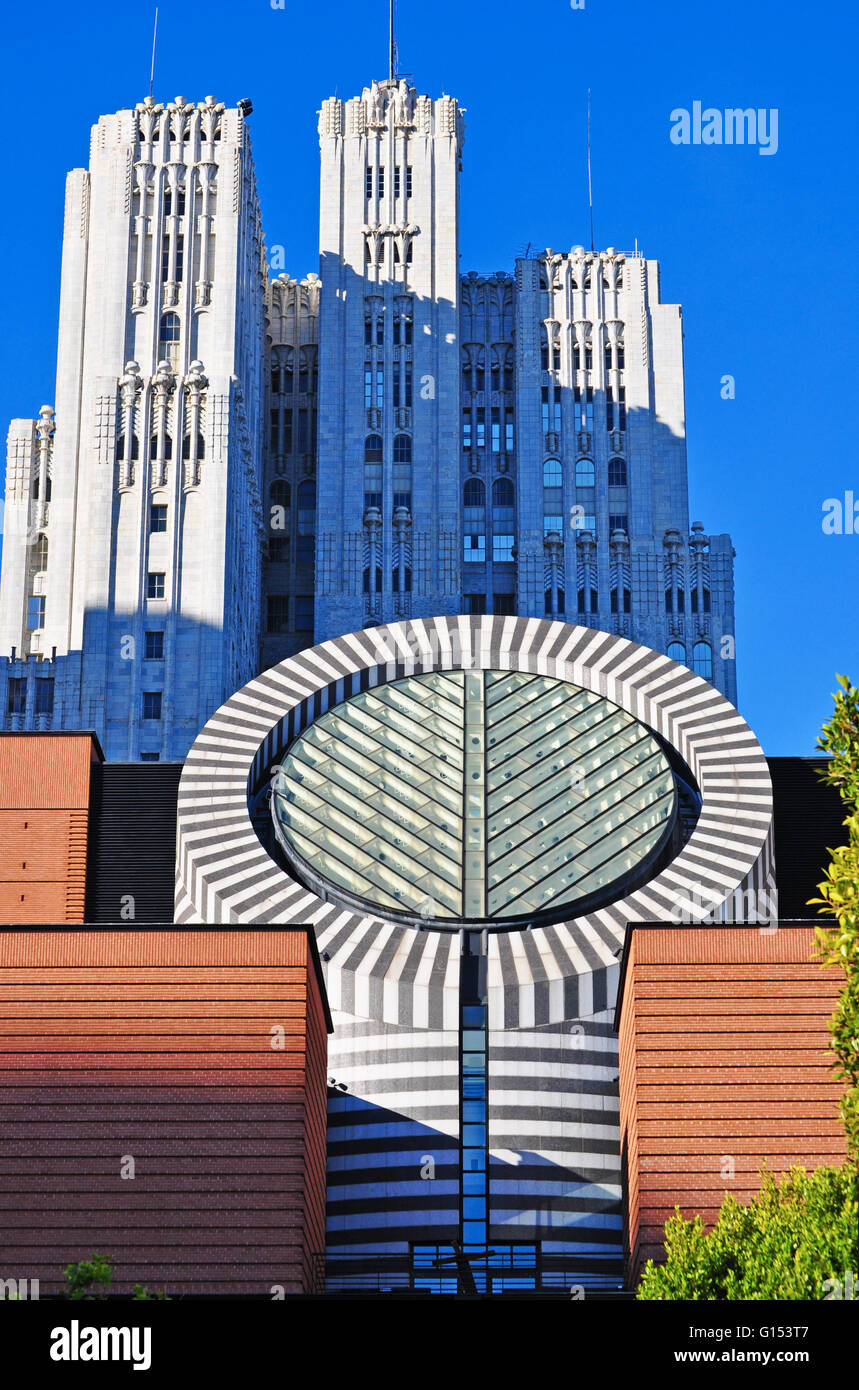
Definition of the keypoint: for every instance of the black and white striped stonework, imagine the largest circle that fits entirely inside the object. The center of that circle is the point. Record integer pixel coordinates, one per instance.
(394, 988)
(225, 875)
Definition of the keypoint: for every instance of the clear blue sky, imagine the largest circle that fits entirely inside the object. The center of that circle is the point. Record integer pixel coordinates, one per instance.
(760, 250)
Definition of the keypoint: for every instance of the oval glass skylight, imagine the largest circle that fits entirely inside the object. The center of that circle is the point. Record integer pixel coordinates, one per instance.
(474, 796)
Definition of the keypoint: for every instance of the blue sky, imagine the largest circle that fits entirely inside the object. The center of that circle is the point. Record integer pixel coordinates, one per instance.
(760, 250)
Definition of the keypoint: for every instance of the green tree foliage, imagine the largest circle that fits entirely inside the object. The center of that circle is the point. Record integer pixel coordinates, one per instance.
(97, 1273)
(798, 1232)
(839, 898)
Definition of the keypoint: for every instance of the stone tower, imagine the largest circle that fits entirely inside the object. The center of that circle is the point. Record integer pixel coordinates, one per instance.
(131, 573)
(389, 529)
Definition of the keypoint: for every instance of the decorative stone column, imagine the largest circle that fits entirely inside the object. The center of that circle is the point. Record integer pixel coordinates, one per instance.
(373, 528)
(554, 550)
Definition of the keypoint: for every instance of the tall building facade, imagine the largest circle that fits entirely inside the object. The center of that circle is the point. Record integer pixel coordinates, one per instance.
(237, 467)
(131, 571)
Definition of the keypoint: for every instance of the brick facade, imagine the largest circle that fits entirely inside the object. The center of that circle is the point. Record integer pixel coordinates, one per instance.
(44, 820)
(152, 1052)
(723, 1067)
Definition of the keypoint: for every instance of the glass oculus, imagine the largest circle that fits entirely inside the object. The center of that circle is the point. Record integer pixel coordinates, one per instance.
(493, 796)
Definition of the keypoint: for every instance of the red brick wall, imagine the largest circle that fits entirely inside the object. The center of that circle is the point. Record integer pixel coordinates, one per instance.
(723, 1060)
(44, 813)
(157, 1044)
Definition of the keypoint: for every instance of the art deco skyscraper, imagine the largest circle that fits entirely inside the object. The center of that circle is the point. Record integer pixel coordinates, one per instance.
(388, 486)
(131, 573)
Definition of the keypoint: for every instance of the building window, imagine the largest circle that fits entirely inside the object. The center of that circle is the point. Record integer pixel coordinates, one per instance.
(381, 182)
(548, 602)
(366, 580)
(617, 472)
(152, 704)
(705, 600)
(158, 516)
(278, 613)
(466, 429)
(480, 422)
(618, 521)
(154, 645)
(120, 449)
(402, 471)
(278, 549)
(474, 549)
(150, 757)
(408, 180)
(155, 444)
(201, 445)
(508, 434)
(16, 697)
(155, 584)
(677, 652)
(35, 611)
(372, 485)
(279, 492)
(502, 549)
(168, 339)
(44, 695)
(475, 604)
(39, 552)
(406, 578)
(702, 660)
(368, 183)
(621, 602)
(396, 180)
(304, 612)
(402, 448)
(504, 604)
(306, 521)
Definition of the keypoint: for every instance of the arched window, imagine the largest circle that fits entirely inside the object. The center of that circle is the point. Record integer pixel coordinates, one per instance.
(39, 553)
(585, 476)
(402, 471)
(306, 508)
(502, 493)
(168, 446)
(168, 339)
(677, 652)
(617, 472)
(402, 448)
(279, 492)
(186, 446)
(553, 497)
(702, 660)
(373, 448)
(120, 448)
(474, 522)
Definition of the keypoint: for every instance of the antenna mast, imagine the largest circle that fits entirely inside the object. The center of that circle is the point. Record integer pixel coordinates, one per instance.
(590, 188)
(152, 66)
(391, 41)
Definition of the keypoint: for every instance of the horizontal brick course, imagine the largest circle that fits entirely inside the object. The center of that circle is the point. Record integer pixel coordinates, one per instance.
(723, 1054)
(158, 1044)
